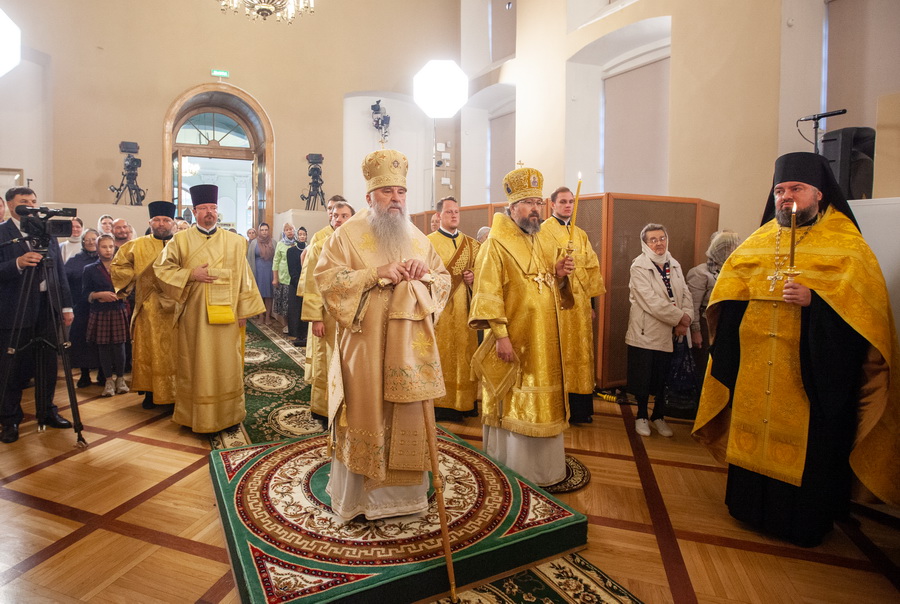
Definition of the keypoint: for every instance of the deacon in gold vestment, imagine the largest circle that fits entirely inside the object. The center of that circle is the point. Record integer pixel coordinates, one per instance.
(320, 341)
(799, 392)
(382, 282)
(577, 325)
(520, 290)
(153, 361)
(205, 271)
(456, 342)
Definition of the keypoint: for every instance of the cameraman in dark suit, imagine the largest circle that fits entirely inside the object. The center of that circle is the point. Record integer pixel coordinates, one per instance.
(37, 321)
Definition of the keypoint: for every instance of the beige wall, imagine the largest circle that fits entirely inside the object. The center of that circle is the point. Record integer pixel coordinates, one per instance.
(115, 68)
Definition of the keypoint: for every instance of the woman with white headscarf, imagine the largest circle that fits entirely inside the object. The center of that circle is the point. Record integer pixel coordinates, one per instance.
(661, 309)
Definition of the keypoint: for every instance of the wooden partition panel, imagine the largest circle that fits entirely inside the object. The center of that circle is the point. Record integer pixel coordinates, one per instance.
(613, 223)
(421, 221)
(687, 220)
(472, 218)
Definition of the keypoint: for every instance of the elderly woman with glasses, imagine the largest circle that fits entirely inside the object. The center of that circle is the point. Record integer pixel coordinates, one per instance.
(661, 310)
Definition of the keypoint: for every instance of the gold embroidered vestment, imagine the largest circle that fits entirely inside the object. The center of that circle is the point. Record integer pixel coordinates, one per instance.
(576, 325)
(456, 342)
(386, 353)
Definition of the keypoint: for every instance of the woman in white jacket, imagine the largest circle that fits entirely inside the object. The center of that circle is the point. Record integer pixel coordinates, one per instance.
(661, 308)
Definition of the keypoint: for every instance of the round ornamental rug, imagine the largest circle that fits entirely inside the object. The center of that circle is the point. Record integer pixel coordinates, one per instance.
(282, 500)
(577, 476)
(287, 545)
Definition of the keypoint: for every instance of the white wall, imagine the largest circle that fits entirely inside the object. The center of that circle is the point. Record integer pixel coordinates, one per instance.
(584, 85)
(26, 130)
(636, 131)
(800, 83)
(410, 133)
(473, 156)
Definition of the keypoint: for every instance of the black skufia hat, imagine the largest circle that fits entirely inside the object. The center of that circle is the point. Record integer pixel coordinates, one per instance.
(161, 208)
(813, 170)
(201, 194)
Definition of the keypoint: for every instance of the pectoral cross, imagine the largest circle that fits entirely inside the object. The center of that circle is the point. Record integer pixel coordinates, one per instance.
(541, 279)
(775, 278)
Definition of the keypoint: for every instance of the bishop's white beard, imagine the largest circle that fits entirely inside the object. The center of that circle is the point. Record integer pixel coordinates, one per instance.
(391, 232)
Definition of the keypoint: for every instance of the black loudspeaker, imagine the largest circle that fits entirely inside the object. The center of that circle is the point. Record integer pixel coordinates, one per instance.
(851, 153)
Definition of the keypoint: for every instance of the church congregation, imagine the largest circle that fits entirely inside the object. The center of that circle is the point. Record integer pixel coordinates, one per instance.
(726, 336)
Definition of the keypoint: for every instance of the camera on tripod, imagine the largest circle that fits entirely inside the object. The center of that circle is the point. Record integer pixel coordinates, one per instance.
(316, 194)
(129, 175)
(37, 224)
(315, 164)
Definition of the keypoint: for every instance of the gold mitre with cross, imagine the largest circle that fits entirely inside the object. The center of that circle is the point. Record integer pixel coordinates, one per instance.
(384, 168)
(523, 183)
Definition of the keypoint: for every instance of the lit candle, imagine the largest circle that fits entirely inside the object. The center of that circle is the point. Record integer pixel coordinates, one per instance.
(793, 232)
(575, 209)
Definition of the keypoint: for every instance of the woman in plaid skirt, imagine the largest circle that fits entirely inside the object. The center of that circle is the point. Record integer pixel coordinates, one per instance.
(108, 323)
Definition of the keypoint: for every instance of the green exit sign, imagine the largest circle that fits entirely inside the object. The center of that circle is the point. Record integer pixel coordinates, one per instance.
(219, 73)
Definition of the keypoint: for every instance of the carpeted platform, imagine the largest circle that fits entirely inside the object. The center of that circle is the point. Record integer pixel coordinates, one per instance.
(287, 546)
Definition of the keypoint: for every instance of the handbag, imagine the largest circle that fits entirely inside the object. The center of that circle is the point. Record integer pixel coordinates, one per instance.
(681, 388)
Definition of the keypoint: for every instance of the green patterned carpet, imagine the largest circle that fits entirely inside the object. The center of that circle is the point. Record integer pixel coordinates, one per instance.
(286, 545)
(277, 396)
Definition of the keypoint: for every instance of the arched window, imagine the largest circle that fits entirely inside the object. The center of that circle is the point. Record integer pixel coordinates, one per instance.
(216, 129)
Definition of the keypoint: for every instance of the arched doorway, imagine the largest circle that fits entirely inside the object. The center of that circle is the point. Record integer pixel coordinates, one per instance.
(219, 121)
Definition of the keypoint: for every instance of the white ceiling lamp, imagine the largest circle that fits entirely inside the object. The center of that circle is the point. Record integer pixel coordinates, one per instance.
(440, 89)
(282, 10)
(10, 44)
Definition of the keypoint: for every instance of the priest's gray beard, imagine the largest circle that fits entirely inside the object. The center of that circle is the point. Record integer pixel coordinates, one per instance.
(530, 223)
(391, 231)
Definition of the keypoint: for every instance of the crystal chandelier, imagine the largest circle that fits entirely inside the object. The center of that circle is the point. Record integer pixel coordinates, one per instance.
(282, 10)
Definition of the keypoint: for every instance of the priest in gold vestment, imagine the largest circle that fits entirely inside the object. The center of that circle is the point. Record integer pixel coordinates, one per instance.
(312, 342)
(521, 289)
(577, 325)
(801, 390)
(383, 283)
(205, 271)
(153, 361)
(320, 342)
(456, 342)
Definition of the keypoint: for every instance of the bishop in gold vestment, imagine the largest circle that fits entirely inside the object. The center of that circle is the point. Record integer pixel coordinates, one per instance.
(519, 294)
(800, 388)
(153, 359)
(205, 271)
(577, 325)
(456, 342)
(382, 282)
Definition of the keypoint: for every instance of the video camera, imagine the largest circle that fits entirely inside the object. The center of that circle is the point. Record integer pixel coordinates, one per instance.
(315, 165)
(37, 224)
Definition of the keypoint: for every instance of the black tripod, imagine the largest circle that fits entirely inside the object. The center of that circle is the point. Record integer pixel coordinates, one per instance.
(316, 194)
(41, 346)
(129, 183)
